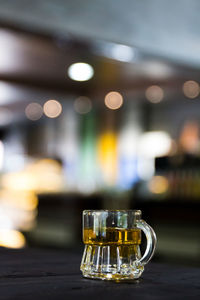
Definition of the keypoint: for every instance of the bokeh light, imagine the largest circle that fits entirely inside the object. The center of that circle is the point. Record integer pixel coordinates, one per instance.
(154, 144)
(189, 137)
(154, 94)
(82, 105)
(12, 239)
(191, 89)
(52, 108)
(80, 71)
(34, 111)
(107, 156)
(122, 53)
(158, 185)
(113, 100)
(6, 116)
(18, 198)
(1, 154)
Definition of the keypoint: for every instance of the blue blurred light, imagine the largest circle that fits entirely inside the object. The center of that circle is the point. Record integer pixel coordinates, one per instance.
(128, 174)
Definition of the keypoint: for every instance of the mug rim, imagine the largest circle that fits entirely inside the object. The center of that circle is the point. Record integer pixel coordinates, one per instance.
(135, 211)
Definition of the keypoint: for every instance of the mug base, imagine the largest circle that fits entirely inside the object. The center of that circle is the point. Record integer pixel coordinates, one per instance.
(115, 277)
(111, 262)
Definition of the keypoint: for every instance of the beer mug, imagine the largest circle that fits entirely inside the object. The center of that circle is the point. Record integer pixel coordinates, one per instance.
(112, 241)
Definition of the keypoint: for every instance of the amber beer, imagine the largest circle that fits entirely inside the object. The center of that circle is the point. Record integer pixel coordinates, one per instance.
(112, 236)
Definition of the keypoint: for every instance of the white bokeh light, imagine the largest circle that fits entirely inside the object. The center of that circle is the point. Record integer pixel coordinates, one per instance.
(122, 53)
(154, 144)
(1, 154)
(80, 71)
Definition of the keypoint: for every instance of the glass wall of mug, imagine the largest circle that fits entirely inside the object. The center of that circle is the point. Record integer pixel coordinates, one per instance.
(112, 241)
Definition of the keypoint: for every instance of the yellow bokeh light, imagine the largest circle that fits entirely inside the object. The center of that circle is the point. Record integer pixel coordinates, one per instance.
(107, 156)
(113, 100)
(191, 89)
(12, 239)
(34, 111)
(158, 185)
(52, 108)
(33, 178)
(154, 94)
(19, 181)
(20, 199)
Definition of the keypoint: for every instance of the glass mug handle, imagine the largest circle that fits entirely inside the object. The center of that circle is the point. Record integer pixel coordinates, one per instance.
(151, 242)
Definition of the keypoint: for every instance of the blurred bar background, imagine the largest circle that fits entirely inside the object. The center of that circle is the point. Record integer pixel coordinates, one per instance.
(100, 108)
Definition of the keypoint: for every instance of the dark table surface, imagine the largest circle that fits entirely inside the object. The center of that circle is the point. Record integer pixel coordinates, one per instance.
(40, 274)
